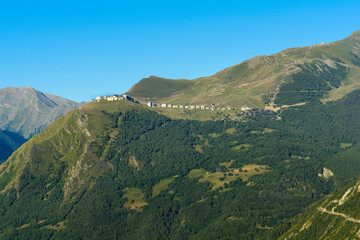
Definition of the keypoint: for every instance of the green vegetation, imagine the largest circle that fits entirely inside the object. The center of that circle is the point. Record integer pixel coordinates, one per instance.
(135, 198)
(335, 217)
(214, 135)
(107, 171)
(345, 145)
(155, 87)
(196, 173)
(162, 185)
(244, 146)
(311, 83)
(230, 130)
(219, 180)
(268, 130)
(226, 164)
(344, 164)
(196, 114)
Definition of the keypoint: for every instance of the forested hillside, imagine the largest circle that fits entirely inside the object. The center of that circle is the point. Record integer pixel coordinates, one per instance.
(119, 170)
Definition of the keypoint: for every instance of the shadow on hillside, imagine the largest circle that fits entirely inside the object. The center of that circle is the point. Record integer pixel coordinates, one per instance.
(9, 142)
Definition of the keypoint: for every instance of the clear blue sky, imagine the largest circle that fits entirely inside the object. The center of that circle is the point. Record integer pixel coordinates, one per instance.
(80, 49)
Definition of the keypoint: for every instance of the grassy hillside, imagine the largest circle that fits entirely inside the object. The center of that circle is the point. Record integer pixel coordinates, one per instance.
(117, 170)
(323, 72)
(155, 87)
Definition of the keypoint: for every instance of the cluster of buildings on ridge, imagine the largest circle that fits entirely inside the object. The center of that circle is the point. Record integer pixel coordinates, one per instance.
(115, 98)
(164, 105)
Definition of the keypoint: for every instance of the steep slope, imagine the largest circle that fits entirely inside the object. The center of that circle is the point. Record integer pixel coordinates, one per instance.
(335, 217)
(27, 111)
(306, 74)
(118, 170)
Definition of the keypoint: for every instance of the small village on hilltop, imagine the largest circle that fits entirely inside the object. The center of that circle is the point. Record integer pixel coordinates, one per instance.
(245, 110)
(114, 98)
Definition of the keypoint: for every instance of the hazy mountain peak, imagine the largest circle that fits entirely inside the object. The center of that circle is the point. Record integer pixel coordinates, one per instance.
(27, 111)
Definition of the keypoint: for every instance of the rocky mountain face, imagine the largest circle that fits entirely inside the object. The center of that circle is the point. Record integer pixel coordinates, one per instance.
(323, 72)
(25, 112)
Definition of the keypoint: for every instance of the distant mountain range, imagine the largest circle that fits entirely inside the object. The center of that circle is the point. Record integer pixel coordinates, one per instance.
(25, 112)
(325, 72)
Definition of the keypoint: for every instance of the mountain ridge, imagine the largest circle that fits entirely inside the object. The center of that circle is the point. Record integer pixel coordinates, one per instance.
(267, 80)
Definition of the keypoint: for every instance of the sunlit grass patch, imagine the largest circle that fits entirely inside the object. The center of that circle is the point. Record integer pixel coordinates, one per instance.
(162, 185)
(199, 149)
(226, 164)
(253, 169)
(232, 218)
(230, 130)
(214, 135)
(195, 173)
(268, 130)
(244, 146)
(135, 198)
(218, 179)
(57, 227)
(345, 145)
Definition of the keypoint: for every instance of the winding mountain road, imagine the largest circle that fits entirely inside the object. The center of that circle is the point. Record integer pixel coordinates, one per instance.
(339, 214)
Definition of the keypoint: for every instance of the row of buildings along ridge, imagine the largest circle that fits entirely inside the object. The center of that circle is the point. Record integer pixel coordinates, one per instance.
(164, 105)
(212, 107)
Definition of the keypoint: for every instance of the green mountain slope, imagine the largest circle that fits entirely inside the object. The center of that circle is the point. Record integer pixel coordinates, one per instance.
(149, 87)
(335, 217)
(118, 170)
(322, 72)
